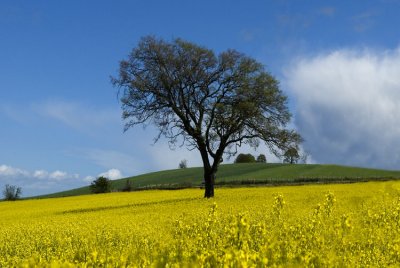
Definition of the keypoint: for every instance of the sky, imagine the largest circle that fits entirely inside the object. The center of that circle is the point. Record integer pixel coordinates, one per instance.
(337, 61)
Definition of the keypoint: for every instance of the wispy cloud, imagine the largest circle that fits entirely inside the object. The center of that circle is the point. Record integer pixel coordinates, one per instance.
(38, 181)
(82, 117)
(364, 21)
(79, 116)
(108, 159)
(294, 21)
(347, 104)
(43, 182)
(8, 172)
(328, 11)
(249, 35)
(56, 175)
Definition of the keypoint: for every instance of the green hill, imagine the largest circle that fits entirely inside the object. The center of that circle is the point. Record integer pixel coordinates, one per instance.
(241, 174)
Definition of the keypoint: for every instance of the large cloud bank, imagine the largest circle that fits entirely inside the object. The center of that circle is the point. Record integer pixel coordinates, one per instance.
(348, 106)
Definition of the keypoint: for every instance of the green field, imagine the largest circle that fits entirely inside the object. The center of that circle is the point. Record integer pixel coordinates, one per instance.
(247, 174)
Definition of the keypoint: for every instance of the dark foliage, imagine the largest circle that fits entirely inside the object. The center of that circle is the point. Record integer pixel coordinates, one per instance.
(11, 192)
(212, 103)
(291, 156)
(100, 185)
(261, 159)
(183, 164)
(245, 158)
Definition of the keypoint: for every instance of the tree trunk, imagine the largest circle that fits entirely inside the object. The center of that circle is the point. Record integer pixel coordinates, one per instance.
(209, 179)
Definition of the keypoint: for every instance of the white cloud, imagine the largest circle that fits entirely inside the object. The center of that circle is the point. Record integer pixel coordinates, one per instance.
(58, 175)
(41, 174)
(347, 106)
(112, 174)
(89, 179)
(39, 181)
(7, 171)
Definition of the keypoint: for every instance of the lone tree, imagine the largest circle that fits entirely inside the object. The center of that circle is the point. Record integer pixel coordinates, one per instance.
(261, 158)
(183, 164)
(11, 192)
(100, 185)
(291, 156)
(212, 103)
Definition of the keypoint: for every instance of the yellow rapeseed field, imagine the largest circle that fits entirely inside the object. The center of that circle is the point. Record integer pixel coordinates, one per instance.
(353, 225)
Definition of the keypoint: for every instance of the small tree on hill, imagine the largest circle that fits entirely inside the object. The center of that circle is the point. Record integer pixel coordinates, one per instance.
(245, 158)
(100, 185)
(291, 156)
(183, 164)
(11, 192)
(261, 159)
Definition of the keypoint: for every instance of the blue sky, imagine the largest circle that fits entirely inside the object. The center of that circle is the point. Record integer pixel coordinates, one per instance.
(338, 61)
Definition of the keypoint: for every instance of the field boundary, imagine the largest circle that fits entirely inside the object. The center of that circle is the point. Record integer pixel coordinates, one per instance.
(267, 183)
(242, 175)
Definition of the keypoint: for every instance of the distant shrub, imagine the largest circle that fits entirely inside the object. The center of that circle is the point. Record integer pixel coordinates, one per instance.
(11, 192)
(245, 158)
(261, 159)
(100, 185)
(183, 164)
(291, 156)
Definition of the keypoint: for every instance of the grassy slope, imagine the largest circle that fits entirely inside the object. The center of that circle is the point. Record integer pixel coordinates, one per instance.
(231, 173)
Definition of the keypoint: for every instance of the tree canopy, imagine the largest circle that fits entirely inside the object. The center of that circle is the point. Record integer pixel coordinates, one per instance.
(212, 103)
(261, 158)
(100, 185)
(291, 156)
(245, 158)
(11, 192)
